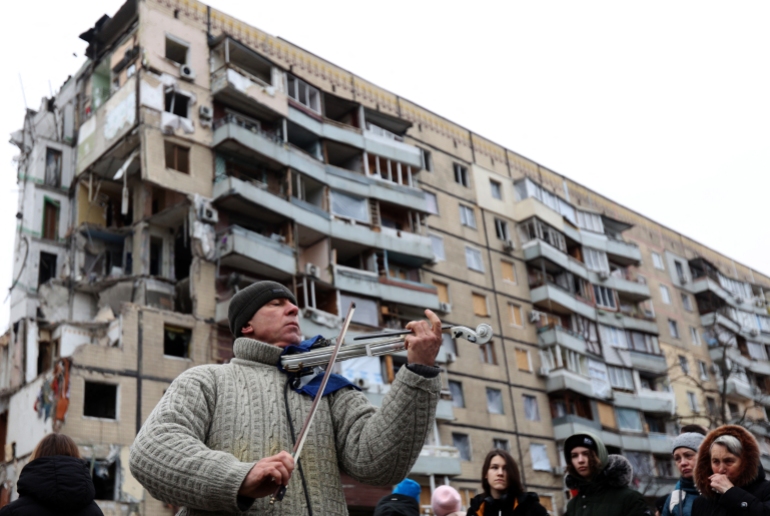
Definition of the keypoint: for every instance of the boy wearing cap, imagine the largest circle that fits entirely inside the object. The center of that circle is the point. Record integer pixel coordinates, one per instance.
(599, 482)
(685, 451)
(217, 441)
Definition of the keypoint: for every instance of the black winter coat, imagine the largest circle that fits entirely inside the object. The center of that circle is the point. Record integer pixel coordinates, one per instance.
(753, 499)
(396, 505)
(54, 486)
(529, 505)
(608, 493)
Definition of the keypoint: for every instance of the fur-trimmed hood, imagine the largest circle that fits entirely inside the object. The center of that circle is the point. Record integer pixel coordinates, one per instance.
(618, 472)
(750, 462)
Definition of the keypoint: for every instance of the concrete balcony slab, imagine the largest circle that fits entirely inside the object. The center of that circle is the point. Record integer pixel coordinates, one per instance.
(554, 298)
(537, 249)
(649, 363)
(647, 401)
(562, 337)
(371, 284)
(437, 460)
(565, 380)
(250, 251)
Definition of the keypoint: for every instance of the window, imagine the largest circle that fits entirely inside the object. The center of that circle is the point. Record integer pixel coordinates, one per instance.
(539, 455)
(509, 271)
(534, 229)
(176, 341)
(612, 336)
(673, 328)
(514, 312)
(473, 259)
(438, 247)
(156, 256)
(664, 294)
(732, 410)
(488, 353)
(494, 401)
(463, 445)
(100, 400)
(461, 175)
(629, 419)
(50, 219)
(304, 93)
(679, 271)
(686, 303)
(177, 157)
(467, 216)
(605, 297)
(442, 291)
(456, 388)
(427, 162)
(704, 371)
(664, 467)
(711, 405)
(53, 163)
(590, 221)
(684, 364)
(349, 206)
(756, 351)
(177, 103)
(176, 50)
(432, 202)
(523, 362)
(531, 410)
(596, 260)
(501, 230)
(367, 312)
(657, 261)
(480, 305)
(501, 444)
(693, 401)
(694, 336)
(448, 344)
(46, 268)
(621, 378)
(496, 189)
(643, 342)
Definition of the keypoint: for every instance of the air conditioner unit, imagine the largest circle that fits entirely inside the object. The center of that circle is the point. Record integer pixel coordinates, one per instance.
(313, 270)
(445, 307)
(205, 112)
(534, 316)
(208, 213)
(604, 275)
(543, 372)
(509, 246)
(186, 73)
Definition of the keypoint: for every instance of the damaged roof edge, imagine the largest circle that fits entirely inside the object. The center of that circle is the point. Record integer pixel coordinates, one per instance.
(107, 29)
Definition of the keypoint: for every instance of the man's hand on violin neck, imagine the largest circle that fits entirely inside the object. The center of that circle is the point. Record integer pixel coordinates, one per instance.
(423, 344)
(267, 476)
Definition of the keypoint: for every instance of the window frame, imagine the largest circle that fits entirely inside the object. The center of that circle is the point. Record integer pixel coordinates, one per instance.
(499, 399)
(461, 174)
(496, 186)
(657, 261)
(473, 250)
(468, 216)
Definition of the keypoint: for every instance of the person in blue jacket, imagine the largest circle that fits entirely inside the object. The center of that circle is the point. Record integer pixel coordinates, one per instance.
(685, 451)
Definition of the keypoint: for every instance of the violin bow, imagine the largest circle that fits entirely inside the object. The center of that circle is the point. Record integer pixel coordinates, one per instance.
(281, 491)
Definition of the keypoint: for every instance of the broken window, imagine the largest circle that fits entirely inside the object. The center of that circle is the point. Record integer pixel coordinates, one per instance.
(177, 157)
(100, 400)
(53, 163)
(427, 163)
(176, 341)
(156, 256)
(47, 268)
(176, 50)
(501, 229)
(461, 175)
(305, 94)
(46, 354)
(349, 206)
(103, 476)
(366, 309)
(50, 219)
(177, 103)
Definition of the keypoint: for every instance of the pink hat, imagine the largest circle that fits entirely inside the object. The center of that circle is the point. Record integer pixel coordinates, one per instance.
(445, 500)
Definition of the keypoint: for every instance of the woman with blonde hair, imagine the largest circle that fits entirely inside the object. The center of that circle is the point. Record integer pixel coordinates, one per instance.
(55, 481)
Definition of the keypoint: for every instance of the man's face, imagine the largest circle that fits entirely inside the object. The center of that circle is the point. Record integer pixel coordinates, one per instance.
(276, 323)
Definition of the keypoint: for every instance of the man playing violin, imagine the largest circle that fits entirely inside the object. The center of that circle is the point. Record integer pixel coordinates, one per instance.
(217, 441)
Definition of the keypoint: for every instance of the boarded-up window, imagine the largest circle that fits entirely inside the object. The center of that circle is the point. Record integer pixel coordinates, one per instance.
(547, 502)
(442, 290)
(509, 273)
(177, 157)
(50, 219)
(522, 360)
(606, 415)
(514, 312)
(480, 305)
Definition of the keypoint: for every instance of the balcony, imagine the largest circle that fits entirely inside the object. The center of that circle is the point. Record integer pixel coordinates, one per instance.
(248, 93)
(737, 388)
(655, 364)
(556, 335)
(566, 426)
(537, 250)
(249, 251)
(627, 289)
(644, 325)
(327, 129)
(437, 460)
(372, 187)
(372, 284)
(553, 298)
(718, 318)
(392, 149)
(564, 380)
(622, 252)
(647, 401)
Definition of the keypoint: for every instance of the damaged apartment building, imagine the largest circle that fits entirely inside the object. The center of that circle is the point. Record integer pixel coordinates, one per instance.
(193, 154)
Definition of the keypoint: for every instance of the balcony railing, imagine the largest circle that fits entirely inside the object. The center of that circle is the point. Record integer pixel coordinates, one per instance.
(248, 123)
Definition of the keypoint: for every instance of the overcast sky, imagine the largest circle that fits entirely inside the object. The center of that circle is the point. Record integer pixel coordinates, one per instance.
(661, 106)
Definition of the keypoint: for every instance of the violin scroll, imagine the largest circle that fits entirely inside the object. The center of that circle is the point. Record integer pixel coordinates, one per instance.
(482, 335)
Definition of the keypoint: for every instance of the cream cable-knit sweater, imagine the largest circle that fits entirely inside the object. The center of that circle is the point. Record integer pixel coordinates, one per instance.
(215, 421)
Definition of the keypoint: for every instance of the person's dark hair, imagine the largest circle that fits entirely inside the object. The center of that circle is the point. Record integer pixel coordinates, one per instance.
(594, 463)
(511, 469)
(698, 429)
(55, 444)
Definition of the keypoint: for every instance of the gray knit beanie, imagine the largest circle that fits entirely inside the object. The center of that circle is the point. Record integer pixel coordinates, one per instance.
(246, 302)
(689, 440)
